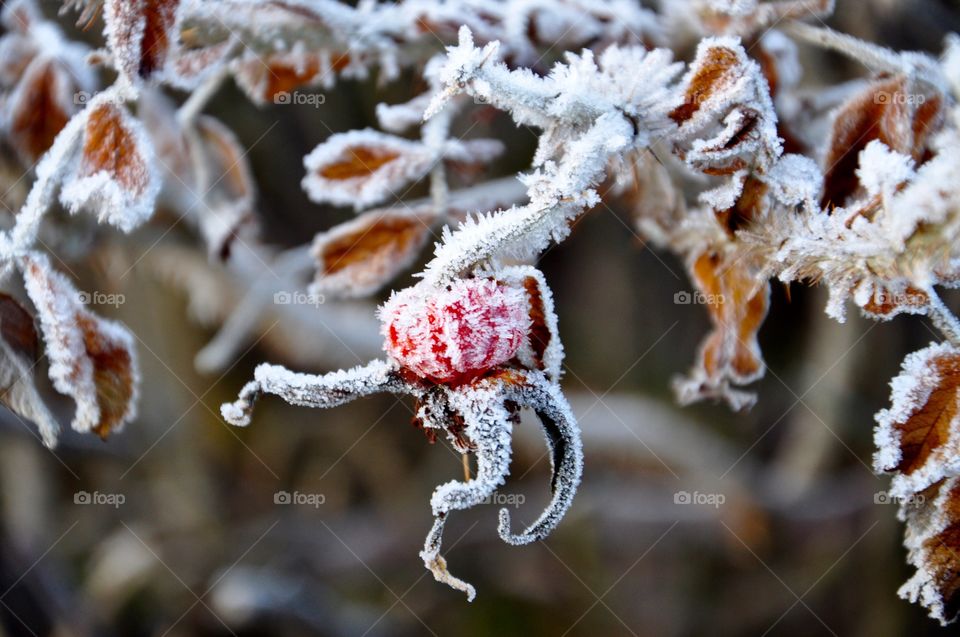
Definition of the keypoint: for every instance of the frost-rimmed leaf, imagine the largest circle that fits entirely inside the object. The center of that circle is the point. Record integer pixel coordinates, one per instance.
(543, 349)
(724, 86)
(918, 436)
(737, 301)
(115, 176)
(750, 17)
(18, 358)
(228, 192)
(140, 34)
(883, 300)
(364, 167)
(932, 540)
(898, 112)
(360, 256)
(47, 77)
(39, 108)
(92, 359)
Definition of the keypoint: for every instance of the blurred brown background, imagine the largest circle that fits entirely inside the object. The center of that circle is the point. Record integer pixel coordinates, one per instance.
(799, 546)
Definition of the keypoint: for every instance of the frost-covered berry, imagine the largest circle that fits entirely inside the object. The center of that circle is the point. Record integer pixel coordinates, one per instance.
(456, 332)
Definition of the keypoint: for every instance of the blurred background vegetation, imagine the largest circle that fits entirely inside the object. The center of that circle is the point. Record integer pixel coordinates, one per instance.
(800, 545)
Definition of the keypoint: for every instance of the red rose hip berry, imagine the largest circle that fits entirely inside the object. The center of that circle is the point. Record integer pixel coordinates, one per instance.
(455, 333)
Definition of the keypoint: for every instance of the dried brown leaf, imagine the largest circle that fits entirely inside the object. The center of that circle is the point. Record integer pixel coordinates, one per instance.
(358, 257)
(718, 68)
(18, 358)
(737, 301)
(40, 107)
(115, 176)
(140, 34)
(92, 359)
(893, 110)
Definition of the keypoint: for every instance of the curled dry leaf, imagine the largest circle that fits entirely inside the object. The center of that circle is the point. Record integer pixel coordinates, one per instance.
(114, 176)
(140, 34)
(92, 359)
(645, 189)
(737, 301)
(358, 257)
(899, 112)
(18, 358)
(918, 440)
(727, 120)
(714, 69)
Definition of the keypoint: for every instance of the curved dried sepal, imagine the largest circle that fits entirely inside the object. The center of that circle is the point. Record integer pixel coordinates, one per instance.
(488, 424)
(566, 457)
(437, 565)
(312, 390)
(487, 408)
